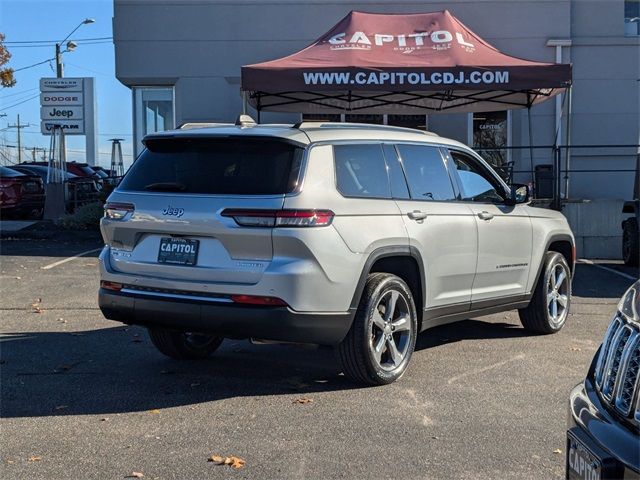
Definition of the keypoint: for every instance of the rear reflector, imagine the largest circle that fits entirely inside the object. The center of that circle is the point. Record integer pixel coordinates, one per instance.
(280, 218)
(258, 300)
(116, 287)
(117, 211)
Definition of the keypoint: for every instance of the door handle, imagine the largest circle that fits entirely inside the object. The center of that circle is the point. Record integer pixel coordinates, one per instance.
(417, 215)
(484, 215)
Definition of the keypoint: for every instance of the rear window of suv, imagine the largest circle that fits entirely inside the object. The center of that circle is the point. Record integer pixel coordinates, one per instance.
(216, 166)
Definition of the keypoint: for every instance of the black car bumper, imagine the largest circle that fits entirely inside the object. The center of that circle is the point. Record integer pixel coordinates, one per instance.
(269, 323)
(616, 447)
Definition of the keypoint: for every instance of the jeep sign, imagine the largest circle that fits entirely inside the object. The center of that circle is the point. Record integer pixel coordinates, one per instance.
(61, 113)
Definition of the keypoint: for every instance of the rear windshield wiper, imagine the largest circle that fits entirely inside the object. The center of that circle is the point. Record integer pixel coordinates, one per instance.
(166, 187)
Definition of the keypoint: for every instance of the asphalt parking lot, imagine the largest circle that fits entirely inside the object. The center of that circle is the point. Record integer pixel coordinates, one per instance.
(83, 397)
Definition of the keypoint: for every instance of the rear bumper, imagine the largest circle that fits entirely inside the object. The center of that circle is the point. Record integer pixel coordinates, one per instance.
(269, 323)
(597, 429)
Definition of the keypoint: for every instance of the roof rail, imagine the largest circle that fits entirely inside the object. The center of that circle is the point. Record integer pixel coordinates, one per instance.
(369, 126)
(190, 125)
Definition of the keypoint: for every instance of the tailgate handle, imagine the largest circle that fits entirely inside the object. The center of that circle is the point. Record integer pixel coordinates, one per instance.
(417, 215)
(484, 215)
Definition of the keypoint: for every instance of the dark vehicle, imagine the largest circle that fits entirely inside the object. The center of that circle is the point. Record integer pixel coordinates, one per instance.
(603, 439)
(631, 225)
(79, 170)
(79, 191)
(21, 194)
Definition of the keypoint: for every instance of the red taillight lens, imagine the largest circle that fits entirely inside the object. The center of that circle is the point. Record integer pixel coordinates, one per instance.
(280, 218)
(116, 287)
(259, 300)
(117, 211)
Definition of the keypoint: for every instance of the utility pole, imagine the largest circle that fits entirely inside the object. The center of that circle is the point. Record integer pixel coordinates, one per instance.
(34, 152)
(19, 126)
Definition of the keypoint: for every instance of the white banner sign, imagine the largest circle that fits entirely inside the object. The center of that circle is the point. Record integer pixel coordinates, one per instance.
(61, 99)
(70, 127)
(61, 85)
(61, 113)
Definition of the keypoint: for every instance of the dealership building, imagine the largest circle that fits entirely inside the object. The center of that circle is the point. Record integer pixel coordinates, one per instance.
(183, 59)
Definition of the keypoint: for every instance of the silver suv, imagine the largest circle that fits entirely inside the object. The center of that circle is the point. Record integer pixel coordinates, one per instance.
(355, 236)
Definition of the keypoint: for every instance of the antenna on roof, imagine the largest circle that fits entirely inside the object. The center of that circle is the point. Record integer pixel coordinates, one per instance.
(245, 121)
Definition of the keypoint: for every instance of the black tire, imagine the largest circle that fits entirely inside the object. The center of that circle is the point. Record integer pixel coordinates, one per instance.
(537, 317)
(357, 351)
(630, 242)
(184, 345)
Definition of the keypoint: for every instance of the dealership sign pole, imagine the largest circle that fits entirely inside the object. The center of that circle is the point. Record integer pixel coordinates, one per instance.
(71, 104)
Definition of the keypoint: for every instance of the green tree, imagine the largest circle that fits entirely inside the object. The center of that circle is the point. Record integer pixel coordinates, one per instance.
(6, 73)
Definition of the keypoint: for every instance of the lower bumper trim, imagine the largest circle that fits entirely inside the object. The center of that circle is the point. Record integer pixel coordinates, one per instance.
(196, 314)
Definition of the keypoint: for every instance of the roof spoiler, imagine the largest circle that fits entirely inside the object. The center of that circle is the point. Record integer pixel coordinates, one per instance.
(245, 121)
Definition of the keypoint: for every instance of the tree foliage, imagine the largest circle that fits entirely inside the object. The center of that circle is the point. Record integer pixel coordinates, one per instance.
(6, 73)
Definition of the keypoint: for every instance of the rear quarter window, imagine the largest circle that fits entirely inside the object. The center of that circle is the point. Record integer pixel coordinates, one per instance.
(361, 171)
(217, 166)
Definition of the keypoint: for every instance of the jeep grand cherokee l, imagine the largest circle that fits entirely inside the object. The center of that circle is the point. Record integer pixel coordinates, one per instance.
(356, 236)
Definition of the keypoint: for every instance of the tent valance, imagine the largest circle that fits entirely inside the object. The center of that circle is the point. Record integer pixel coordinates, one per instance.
(417, 63)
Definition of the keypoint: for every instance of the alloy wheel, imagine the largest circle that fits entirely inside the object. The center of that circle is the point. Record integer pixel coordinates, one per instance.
(390, 330)
(557, 294)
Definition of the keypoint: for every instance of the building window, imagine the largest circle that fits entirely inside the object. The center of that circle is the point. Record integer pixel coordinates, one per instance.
(321, 117)
(418, 122)
(152, 112)
(490, 134)
(632, 17)
(364, 118)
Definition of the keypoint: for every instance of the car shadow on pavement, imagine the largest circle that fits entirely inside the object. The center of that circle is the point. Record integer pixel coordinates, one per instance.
(469, 330)
(592, 282)
(117, 370)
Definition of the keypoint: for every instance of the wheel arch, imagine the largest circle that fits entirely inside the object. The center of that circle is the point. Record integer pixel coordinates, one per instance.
(564, 244)
(402, 260)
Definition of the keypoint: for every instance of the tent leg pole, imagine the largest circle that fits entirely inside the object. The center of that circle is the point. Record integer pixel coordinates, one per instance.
(244, 102)
(568, 147)
(530, 144)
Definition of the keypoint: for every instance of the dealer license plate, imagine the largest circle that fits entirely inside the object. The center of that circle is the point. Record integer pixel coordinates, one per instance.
(179, 251)
(581, 463)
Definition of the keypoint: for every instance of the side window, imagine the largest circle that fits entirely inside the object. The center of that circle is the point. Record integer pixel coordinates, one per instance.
(426, 173)
(398, 183)
(361, 171)
(476, 185)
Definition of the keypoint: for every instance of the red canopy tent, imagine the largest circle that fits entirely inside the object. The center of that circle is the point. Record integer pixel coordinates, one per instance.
(416, 63)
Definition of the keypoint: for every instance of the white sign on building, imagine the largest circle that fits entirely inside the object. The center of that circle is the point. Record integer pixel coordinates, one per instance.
(70, 103)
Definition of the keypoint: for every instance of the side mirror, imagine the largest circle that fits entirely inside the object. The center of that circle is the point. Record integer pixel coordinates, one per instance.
(520, 193)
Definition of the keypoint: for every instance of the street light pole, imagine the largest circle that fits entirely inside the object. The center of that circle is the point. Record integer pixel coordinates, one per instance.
(70, 46)
(59, 67)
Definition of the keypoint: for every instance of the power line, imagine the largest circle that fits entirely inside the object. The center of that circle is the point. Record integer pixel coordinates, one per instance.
(53, 42)
(20, 103)
(19, 93)
(34, 65)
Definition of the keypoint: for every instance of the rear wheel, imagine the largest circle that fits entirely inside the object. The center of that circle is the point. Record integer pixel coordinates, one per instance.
(549, 307)
(184, 345)
(630, 242)
(378, 347)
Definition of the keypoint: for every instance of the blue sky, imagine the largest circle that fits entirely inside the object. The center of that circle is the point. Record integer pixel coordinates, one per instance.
(29, 20)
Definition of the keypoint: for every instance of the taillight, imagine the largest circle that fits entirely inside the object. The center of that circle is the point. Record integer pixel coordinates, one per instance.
(280, 218)
(113, 286)
(117, 211)
(259, 300)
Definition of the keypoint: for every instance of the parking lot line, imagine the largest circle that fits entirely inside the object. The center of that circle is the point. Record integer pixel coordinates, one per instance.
(68, 259)
(611, 270)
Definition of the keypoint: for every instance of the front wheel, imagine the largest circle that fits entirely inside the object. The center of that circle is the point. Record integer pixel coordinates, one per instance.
(549, 307)
(184, 345)
(378, 347)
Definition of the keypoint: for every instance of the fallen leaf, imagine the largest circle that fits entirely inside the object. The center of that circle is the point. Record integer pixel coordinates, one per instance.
(35, 458)
(232, 461)
(135, 475)
(303, 400)
(155, 411)
(104, 419)
(557, 450)
(8, 462)
(576, 349)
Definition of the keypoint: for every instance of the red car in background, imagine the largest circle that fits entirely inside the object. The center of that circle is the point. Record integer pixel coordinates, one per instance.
(21, 194)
